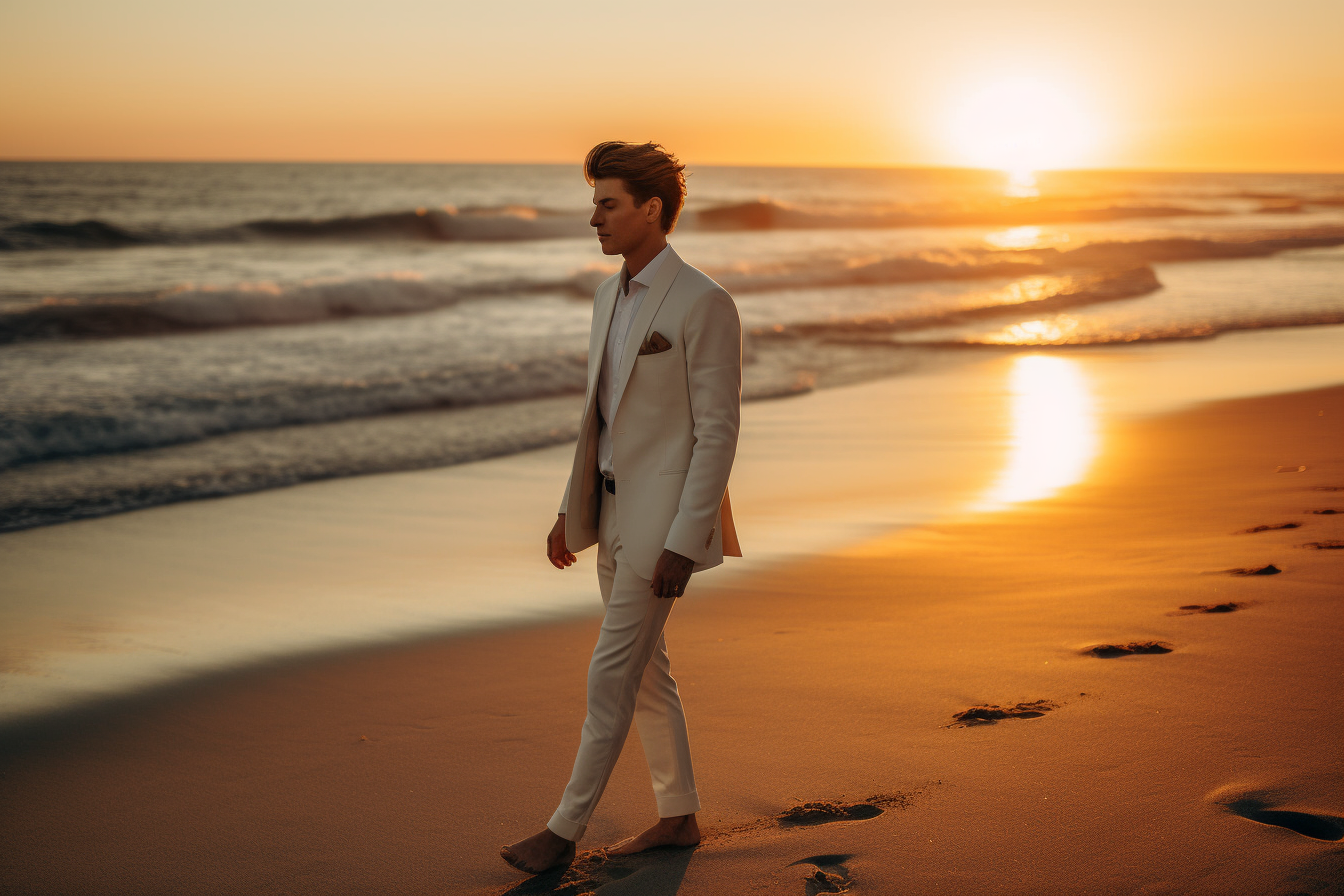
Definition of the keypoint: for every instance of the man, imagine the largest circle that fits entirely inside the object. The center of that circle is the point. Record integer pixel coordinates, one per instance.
(648, 486)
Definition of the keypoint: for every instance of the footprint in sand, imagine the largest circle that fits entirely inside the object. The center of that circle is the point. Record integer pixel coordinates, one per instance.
(992, 713)
(1318, 826)
(1327, 488)
(659, 872)
(1188, 609)
(1327, 511)
(1329, 545)
(830, 874)
(1110, 651)
(814, 813)
(1268, 527)
(825, 812)
(1266, 570)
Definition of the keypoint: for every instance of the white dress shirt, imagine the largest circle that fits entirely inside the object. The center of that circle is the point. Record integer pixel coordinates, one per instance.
(628, 300)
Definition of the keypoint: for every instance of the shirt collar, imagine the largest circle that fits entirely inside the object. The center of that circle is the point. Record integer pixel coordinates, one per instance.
(650, 270)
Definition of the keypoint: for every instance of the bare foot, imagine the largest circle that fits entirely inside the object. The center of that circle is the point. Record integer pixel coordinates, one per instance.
(538, 853)
(679, 831)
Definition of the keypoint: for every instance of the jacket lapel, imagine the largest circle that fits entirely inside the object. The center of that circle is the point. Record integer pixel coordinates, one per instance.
(604, 304)
(647, 309)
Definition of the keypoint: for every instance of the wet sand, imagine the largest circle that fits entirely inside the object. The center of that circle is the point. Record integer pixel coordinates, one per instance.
(1073, 695)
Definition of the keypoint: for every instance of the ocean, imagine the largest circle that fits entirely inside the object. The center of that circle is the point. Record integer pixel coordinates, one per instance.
(176, 332)
(180, 331)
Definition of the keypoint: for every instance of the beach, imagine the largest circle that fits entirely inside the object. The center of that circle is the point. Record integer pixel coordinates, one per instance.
(823, 689)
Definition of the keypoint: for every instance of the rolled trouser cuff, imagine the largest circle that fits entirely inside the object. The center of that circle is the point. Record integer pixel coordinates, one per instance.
(673, 806)
(563, 827)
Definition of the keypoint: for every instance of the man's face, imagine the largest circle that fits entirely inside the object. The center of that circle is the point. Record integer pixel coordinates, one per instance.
(622, 225)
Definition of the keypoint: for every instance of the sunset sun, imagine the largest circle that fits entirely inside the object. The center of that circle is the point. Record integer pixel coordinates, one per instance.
(1021, 124)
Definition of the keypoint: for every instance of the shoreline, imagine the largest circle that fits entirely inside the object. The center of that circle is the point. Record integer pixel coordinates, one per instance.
(394, 769)
(65, 490)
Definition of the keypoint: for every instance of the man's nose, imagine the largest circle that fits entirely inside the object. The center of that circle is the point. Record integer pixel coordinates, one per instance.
(594, 220)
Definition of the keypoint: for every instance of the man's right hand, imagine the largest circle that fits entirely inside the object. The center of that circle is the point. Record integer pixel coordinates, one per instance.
(556, 552)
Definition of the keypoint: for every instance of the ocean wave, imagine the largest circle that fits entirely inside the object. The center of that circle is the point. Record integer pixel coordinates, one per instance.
(767, 214)
(1170, 249)
(1026, 297)
(94, 422)
(77, 488)
(91, 234)
(445, 224)
(1059, 333)
(191, 307)
(981, 263)
(205, 307)
(1273, 200)
(868, 271)
(516, 223)
(93, 398)
(71, 488)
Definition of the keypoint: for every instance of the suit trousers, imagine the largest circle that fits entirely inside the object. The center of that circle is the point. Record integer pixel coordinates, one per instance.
(629, 679)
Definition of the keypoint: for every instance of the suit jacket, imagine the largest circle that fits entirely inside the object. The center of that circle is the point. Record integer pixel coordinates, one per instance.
(675, 429)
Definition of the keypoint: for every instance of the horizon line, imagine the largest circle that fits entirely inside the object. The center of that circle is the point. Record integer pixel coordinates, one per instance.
(578, 163)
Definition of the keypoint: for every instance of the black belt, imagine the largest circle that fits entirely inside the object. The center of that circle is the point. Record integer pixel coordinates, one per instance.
(611, 485)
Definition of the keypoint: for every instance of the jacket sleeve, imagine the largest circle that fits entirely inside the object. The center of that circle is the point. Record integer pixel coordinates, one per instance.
(564, 502)
(713, 340)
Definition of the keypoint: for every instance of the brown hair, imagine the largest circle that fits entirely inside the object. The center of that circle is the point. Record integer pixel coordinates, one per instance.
(647, 169)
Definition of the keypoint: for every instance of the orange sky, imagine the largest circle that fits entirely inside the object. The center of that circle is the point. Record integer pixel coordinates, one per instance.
(1180, 84)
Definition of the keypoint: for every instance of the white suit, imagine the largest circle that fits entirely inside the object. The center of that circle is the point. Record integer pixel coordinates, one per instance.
(673, 438)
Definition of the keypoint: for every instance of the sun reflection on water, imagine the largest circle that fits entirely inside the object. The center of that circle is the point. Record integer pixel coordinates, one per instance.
(1021, 184)
(1036, 332)
(1054, 431)
(1024, 237)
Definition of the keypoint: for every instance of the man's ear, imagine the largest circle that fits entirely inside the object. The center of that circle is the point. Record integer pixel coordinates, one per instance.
(654, 212)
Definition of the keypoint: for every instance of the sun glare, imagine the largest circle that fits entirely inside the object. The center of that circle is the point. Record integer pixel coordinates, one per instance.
(1054, 431)
(1015, 238)
(1021, 124)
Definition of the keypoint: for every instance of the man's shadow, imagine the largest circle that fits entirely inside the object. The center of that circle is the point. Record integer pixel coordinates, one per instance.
(658, 872)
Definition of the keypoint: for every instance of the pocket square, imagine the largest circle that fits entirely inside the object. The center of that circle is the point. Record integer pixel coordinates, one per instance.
(654, 344)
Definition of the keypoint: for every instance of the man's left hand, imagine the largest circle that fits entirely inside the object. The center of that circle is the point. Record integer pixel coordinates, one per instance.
(671, 574)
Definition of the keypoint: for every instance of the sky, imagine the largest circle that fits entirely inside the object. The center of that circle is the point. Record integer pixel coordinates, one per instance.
(1215, 85)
